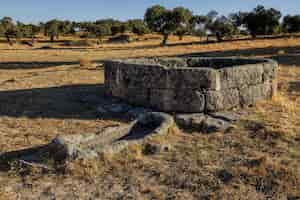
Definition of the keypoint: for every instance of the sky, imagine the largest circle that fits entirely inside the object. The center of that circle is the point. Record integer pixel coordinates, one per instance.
(34, 11)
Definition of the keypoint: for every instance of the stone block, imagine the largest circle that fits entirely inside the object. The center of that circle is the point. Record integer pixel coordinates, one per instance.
(240, 76)
(193, 78)
(251, 94)
(221, 100)
(177, 100)
(270, 71)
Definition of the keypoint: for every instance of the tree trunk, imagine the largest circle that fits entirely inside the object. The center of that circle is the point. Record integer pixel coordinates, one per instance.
(165, 39)
(7, 38)
(180, 37)
(219, 37)
(253, 35)
(52, 38)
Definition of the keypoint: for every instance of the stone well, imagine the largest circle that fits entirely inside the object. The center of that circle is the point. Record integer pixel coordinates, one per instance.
(191, 85)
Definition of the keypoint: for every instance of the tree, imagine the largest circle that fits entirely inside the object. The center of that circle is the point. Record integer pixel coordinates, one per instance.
(198, 25)
(9, 28)
(291, 24)
(66, 27)
(28, 30)
(238, 18)
(119, 28)
(138, 26)
(262, 21)
(52, 29)
(221, 27)
(164, 21)
(183, 17)
(102, 30)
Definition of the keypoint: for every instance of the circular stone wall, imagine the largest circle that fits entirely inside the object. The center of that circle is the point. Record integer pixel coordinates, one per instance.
(191, 85)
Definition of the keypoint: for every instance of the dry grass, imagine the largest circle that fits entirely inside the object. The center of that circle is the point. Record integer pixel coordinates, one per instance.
(40, 97)
(84, 62)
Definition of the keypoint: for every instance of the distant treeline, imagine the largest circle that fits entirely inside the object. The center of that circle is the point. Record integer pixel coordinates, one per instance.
(179, 21)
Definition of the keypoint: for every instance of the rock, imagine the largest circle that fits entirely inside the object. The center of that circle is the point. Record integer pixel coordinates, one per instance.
(241, 76)
(251, 94)
(190, 120)
(211, 125)
(188, 101)
(202, 123)
(222, 100)
(226, 115)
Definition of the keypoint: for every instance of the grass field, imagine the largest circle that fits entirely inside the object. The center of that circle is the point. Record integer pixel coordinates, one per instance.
(40, 97)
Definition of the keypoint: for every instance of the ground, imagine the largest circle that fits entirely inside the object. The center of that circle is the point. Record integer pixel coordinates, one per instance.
(42, 95)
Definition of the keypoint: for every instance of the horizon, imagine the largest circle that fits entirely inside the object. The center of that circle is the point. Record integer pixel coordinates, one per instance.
(33, 11)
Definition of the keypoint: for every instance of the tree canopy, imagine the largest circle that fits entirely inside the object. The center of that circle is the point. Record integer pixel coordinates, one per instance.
(165, 21)
(291, 24)
(178, 21)
(262, 21)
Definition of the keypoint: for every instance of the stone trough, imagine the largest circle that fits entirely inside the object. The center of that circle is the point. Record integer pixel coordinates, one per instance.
(191, 85)
(86, 146)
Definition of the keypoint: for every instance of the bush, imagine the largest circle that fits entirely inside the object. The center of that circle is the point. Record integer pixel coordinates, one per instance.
(79, 43)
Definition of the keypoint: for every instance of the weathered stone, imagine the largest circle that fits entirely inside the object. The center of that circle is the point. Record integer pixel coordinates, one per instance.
(250, 95)
(226, 115)
(190, 120)
(191, 84)
(202, 123)
(239, 76)
(211, 124)
(137, 96)
(84, 146)
(193, 78)
(177, 100)
(222, 100)
(270, 71)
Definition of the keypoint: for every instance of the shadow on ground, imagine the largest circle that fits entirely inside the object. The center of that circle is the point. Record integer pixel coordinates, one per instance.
(71, 101)
(294, 86)
(33, 65)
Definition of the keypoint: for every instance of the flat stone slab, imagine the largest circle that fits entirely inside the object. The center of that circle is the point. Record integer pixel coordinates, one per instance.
(207, 123)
